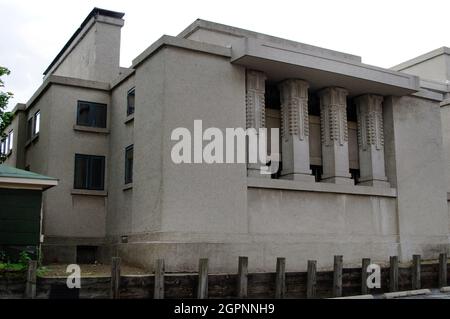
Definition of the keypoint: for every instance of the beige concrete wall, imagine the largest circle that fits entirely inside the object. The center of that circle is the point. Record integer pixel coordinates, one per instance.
(96, 56)
(68, 215)
(435, 68)
(120, 201)
(420, 175)
(203, 87)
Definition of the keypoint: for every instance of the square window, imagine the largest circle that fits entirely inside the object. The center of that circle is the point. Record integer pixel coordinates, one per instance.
(91, 114)
(130, 102)
(89, 172)
(129, 164)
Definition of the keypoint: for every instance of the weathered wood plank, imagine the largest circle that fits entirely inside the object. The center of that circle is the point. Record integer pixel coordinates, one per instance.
(337, 276)
(364, 275)
(442, 270)
(280, 278)
(202, 290)
(30, 288)
(158, 292)
(311, 279)
(243, 277)
(415, 276)
(115, 278)
(393, 273)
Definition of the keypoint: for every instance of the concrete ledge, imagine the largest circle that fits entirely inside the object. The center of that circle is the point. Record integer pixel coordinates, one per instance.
(356, 297)
(445, 289)
(167, 40)
(88, 192)
(91, 129)
(321, 187)
(409, 293)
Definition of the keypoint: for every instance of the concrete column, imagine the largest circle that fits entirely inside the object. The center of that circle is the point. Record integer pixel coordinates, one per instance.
(255, 111)
(295, 130)
(369, 109)
(333, 119)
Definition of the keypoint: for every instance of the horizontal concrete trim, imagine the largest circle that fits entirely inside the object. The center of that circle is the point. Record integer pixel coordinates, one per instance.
(445, 289)
(90, 129)
(421, 58)
(409, 293)
(72, 241)
(320, 187)
(167, 40)
(238, 32)
(436, 86)
(88, 192)
(356, 297)
(430, 95)
(66, 81)
(253, 53)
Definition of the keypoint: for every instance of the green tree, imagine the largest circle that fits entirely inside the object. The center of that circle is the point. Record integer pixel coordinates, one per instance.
(5, 117)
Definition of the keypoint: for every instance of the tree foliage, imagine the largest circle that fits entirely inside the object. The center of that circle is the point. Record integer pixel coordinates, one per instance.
(5, 117)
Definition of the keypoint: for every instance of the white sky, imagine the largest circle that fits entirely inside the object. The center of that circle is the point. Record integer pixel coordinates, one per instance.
(383, 32)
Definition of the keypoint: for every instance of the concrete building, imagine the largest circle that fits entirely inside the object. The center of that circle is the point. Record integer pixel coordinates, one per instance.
(365, 151)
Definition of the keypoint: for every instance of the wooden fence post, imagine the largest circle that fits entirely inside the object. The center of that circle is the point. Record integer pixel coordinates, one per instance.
(30, 288)
(311, 279)
(115, 278)
(416, 272)
(364, 275)
(442, 270)
(280, 279)
(337, 276)
(243, 277)
(393, 273)
(159, 280)
(202, 291)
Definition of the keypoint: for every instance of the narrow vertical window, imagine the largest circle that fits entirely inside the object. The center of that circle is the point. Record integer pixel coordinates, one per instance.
(2, 147)
(37, 122)
(10, 140)
(29, 128)
(129, 164)
(130, 102)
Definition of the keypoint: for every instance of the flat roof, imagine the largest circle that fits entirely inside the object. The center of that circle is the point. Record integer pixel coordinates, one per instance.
(421, 58)
(95, 12)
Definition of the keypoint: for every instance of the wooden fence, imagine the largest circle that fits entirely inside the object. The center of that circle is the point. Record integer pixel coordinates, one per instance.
(281, 284)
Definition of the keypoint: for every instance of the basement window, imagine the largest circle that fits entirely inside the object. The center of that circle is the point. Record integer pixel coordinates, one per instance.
(91, 114)
(89, 172)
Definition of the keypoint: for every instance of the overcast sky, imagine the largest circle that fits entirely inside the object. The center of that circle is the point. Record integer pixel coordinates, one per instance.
(383, 32)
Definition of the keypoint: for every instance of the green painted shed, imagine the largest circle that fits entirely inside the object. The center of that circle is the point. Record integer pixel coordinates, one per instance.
(20, 206)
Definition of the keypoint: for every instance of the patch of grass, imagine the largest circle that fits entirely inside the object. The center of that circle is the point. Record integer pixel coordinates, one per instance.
(12, 267)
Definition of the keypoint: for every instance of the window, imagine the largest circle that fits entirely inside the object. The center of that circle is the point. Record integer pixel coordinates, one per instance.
(317, 171)
(129, 164)
(37, 122)
(130, 102)
(29, 128)
(89, 172)
(2, 147)
(10, 140)
(91, 114)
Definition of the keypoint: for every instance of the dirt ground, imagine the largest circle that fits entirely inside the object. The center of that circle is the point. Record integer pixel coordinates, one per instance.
(88, 270)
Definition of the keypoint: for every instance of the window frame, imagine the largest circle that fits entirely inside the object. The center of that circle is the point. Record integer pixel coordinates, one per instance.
(130, 110)
(104, 105)
(87, 179)
(35, 116)
(10, 141)
(129, 174)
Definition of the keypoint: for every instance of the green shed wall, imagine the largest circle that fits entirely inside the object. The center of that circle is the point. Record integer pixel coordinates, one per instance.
(20, 214)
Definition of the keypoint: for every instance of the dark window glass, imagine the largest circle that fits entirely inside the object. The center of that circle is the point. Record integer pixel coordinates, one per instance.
(129, 164)
(317, 171)
(89, 172)
(355, 173)
(29, 128)
(130, 102)
(91, 114)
